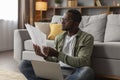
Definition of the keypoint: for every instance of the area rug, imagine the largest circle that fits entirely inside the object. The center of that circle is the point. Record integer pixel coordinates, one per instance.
(10, 75)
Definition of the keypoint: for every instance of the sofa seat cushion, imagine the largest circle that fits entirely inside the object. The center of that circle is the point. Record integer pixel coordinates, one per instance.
(30, 55)
(28, 45)
(106, 66)
(107, 50)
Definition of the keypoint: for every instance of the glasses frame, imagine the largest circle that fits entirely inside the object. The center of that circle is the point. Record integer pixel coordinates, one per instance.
(65, 20)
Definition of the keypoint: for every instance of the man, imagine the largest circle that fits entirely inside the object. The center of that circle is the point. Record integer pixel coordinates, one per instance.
(73, 51)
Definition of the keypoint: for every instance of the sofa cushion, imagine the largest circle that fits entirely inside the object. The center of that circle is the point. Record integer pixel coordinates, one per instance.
(106, 66)
(56, 19)
(55, 29)
(30, 55)
(106, 50)
(43, 26)
(94, 25)
(28, 45)
(112, 32)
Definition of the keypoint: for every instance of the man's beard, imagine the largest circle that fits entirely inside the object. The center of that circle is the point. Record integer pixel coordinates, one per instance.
(66, 28)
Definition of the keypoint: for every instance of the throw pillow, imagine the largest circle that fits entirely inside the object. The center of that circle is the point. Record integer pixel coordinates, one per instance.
(94, 25)
(112, 32)
(43, 26)
(55, 29)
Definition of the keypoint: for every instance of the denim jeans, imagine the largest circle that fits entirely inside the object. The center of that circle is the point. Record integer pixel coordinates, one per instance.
(82, 73)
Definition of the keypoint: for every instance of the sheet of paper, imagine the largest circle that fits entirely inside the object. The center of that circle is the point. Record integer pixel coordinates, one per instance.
(37, 36)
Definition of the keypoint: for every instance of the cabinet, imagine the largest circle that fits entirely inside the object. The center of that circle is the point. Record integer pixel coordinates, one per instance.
(86, 7)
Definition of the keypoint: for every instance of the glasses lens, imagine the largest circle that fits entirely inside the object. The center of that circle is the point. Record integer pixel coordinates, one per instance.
(65, 19)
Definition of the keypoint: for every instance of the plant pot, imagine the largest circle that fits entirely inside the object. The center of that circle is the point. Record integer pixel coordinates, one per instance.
(57, 5)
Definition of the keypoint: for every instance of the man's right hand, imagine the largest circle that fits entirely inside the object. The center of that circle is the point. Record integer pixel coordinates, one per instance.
(38, 51)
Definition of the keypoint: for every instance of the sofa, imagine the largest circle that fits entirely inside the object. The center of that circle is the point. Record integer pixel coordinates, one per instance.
(105, 29)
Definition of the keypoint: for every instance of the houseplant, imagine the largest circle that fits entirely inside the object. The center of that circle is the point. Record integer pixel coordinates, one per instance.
(58, 3)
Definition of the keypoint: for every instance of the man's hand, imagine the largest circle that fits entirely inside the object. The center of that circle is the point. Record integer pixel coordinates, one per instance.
(47, 51)
(38, 51)
(50, 51)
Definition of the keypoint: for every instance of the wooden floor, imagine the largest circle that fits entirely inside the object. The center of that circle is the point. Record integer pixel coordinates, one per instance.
(7, 62)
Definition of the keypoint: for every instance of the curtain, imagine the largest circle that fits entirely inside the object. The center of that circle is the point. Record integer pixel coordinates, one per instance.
(14, 14)
(26, 12)
(8, 23)
(7, 28)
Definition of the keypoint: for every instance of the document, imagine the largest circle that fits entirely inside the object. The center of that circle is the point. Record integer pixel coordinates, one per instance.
(37, 36)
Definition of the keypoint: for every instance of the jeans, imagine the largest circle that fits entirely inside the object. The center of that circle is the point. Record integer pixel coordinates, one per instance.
(82, 73)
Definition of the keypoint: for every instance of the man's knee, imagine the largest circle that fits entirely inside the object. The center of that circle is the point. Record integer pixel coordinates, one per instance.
(24, 65)
(87, 69)
(87, 73)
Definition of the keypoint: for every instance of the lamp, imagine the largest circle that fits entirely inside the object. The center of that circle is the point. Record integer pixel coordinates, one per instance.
(42, 6)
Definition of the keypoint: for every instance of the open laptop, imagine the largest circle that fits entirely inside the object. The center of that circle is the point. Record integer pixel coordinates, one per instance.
(47, 70)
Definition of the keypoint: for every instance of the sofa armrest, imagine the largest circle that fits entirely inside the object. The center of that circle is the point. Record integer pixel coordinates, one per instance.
(20, 35)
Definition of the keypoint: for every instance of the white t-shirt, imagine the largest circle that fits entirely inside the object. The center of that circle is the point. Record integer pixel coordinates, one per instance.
(68, 47)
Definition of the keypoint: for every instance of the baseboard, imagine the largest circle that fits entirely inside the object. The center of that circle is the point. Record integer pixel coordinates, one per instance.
(108, 76)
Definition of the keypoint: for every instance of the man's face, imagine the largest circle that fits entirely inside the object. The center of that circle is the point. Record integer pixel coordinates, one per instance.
(67, 22)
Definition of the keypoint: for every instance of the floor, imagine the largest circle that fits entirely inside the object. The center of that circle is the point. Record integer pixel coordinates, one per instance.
(7, 62)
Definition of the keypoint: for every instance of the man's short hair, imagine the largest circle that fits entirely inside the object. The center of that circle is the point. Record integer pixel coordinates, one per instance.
(76, 15)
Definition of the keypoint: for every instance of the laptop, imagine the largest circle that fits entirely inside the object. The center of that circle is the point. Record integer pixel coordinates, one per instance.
(47, 70)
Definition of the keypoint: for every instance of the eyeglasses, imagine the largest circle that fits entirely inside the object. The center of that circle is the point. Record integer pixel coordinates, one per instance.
(65, 20)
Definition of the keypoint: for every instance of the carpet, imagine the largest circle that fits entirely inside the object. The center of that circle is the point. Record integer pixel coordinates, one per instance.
(10, 75)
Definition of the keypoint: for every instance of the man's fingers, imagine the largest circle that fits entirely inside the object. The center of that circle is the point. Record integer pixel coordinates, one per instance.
(34, 46)
(46, 50)
(38, 50)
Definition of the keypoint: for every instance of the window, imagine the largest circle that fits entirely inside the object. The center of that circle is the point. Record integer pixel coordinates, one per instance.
(9, 9)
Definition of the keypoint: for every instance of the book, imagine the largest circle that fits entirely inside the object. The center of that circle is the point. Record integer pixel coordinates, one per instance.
(98, 3)
(37, 36)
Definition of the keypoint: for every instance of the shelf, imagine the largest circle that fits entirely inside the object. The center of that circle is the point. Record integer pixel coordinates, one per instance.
(114, 6)
(95, 7)
(66, 7)
(85, 7)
